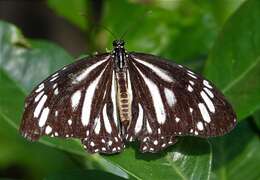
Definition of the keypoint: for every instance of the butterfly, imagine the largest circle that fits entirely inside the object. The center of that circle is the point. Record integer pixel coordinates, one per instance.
(113, 98)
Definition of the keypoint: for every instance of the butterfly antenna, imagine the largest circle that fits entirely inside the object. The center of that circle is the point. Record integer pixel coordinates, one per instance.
(100, 25)
(139, 20)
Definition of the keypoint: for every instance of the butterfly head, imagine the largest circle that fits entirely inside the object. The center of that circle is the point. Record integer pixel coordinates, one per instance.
(118, 43)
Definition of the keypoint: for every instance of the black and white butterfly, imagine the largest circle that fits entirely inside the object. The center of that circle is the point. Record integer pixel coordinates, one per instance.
(112, 98)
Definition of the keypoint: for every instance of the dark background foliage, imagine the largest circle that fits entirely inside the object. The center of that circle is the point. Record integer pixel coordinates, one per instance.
(220, 39)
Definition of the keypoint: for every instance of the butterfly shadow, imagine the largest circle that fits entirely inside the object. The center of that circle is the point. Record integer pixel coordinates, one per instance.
(187, 146)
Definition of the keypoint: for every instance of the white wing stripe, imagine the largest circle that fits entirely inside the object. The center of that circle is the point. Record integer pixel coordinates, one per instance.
(89, 95)
(139, 121)
(113, 97)
(204, 112)
(106, 120)
(97, 125)
(39, 106)
(156, 97)
(75, 99)
(44, 116)
(160, 72)
(207, 101)
(170, 97)
(85, 73)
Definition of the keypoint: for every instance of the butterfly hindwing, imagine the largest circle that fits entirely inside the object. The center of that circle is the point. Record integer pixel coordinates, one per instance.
(175, 102)
(75, 102)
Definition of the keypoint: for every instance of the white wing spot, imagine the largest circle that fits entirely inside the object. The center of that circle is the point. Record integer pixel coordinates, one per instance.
(206, 83)
(54, 86)
(160, 72)
(106, 120)
(56, 91)
(163, 145)
(190, 89)
(204, 112)
(56, 133)
(155, 142)
(159, 131)
(191, 83)
(170, 97)
(207, 101)
(39, 106)
(70, 122)
(145, 139)
(56, 113)
(110, 142)
(48, 130)
(177, 119)
(44, 116)
(144, 148)
(75, 98)
(92, 144)
(200, 126)
(139, 121)
(191, 110)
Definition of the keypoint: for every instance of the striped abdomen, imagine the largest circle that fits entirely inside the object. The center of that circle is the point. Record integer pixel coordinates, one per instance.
(124, 97)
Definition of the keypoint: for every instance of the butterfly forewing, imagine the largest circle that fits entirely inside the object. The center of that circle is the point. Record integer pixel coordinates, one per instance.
(174, 101)
(76, 101)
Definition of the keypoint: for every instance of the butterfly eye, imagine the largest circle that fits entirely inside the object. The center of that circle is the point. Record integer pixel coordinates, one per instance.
(110, 99)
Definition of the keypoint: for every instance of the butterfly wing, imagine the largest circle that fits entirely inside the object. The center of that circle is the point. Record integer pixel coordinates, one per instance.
(174, 101)
(76, 101)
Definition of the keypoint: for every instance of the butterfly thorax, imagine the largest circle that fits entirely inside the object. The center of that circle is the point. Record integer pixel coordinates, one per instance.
(123, 93)
(119, 55)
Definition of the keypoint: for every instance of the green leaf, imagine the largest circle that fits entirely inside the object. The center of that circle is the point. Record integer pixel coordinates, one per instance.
(256, 116)
(237, 156)
(79, 174)
(223, 9)
(183, 31)
(188, 159)
(234, 63)
(22, 61)
(71, 10)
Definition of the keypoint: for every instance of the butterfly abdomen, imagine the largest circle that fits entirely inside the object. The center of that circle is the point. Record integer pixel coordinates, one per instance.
(123, 98)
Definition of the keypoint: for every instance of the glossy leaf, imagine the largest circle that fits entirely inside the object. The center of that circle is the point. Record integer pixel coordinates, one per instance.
(237, 156)
(189, 159)
(234, 63)
(21, 57)
(82, 175)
